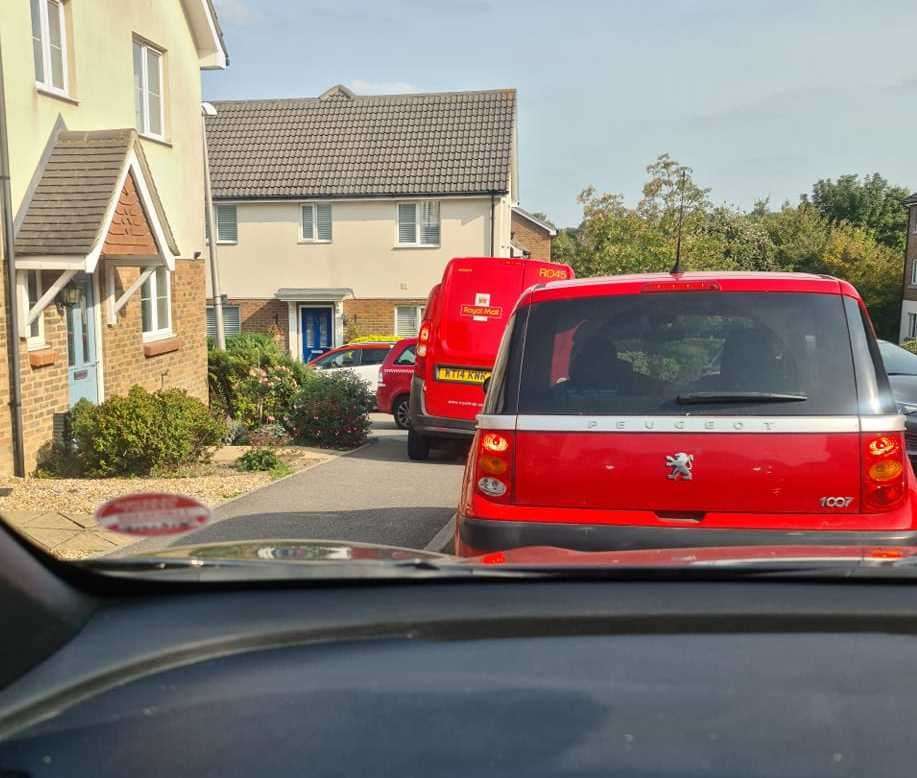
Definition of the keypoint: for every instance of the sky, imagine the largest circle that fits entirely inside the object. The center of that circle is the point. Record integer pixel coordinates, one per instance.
(760, 99)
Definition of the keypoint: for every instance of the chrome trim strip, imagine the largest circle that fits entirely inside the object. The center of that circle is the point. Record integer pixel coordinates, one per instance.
(693, 424)
(889, 423)
(690, 424)
(496, 422)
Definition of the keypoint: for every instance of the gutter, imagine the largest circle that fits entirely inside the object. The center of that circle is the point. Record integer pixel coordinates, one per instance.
(12, 313)
(492, 223)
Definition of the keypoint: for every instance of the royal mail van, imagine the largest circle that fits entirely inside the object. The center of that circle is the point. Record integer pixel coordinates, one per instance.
(464, 321)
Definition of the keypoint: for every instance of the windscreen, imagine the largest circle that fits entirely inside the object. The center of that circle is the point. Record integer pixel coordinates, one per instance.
(673, 353)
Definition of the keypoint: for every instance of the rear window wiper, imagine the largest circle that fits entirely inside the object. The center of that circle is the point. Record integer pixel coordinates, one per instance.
(697, 398)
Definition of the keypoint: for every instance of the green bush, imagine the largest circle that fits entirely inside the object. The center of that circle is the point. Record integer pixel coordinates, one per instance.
(253, 381)
(910, 345)
(332, 411)
(259, 459)
(143, 433)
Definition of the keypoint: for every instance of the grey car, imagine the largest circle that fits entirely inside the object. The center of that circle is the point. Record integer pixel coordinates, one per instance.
(901, 366)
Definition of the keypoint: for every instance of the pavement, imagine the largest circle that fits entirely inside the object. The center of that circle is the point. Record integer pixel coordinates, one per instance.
(374, 494)
(66, 535)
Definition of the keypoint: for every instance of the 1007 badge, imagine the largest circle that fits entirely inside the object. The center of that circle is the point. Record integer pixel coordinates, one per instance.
(461, 375)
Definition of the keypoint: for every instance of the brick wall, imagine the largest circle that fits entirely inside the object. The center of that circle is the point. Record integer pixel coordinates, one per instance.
(178, 362)
(264, 316)
(910, 292)
(43, 375)
(531, 238)
(373, 316)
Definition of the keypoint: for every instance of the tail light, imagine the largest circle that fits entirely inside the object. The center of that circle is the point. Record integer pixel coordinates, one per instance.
(423, 340)
(493, 467)
(379, 381)
(884, 471)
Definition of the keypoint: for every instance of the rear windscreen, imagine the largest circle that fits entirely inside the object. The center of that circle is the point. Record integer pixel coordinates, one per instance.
(689, 353)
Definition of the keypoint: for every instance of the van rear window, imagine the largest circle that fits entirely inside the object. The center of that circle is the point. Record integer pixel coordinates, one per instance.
(689, 352)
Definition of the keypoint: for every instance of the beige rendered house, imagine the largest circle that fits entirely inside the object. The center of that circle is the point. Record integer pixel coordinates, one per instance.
(102, 101)
(337, 214)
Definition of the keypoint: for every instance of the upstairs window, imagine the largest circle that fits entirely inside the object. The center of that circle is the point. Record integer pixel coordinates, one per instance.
(227, 225)
(156, 305)
(418, 223)
(49, 50)
(914, 271)
(316, 223)
(148, 89)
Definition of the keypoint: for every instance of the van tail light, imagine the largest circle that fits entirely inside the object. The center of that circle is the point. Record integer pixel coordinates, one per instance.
(493, 466)
(885, 463)
(423, 341)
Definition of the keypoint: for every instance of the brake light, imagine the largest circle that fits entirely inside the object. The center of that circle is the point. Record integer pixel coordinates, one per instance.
(884, 471)
(423, 338)
(680, 286)
(493, 470)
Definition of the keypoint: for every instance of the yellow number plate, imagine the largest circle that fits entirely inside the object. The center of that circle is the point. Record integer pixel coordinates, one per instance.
(461, 375)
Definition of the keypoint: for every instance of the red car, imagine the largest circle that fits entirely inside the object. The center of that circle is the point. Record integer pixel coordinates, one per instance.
(697, 409)
(361, 359)
(464, 321)
(393, 390)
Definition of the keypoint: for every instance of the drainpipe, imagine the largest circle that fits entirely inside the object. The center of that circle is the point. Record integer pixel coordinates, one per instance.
(12, 319)
(208, 110)
(492, 224)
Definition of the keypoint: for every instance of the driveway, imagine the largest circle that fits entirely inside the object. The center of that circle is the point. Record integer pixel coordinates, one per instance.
(375, 495)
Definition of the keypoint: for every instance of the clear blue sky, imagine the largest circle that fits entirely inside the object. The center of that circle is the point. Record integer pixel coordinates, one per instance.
(761, 99)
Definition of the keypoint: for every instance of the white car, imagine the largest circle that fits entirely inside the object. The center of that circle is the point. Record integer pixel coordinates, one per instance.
(361, 359)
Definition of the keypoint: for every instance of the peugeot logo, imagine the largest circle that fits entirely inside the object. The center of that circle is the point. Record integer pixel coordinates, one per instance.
(681, 465)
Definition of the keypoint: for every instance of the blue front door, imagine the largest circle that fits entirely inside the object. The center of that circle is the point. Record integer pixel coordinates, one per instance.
(315, 328)
(82, 360)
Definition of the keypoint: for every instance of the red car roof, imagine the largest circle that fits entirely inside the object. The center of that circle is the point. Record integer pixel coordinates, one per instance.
(693, 281)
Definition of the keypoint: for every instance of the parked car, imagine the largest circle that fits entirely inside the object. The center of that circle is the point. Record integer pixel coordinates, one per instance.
(692, 409)
(393, 390)
(464, 320)
(901, 366)
(361, 359)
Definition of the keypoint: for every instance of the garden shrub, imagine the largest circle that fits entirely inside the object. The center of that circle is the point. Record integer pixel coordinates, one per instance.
(332, 411)
(910, 345)
(253, 381)
(259, 459)
(142, 433)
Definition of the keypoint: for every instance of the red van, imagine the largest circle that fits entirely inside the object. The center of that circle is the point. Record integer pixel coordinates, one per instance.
(698, 409)
(464, 321)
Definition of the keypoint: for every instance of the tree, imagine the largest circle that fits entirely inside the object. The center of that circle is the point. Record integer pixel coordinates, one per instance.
(872, 204)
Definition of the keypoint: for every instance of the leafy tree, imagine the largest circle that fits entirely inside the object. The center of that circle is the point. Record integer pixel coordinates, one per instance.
(872, 204)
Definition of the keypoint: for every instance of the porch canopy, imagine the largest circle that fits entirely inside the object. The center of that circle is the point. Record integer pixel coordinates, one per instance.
(92, 198)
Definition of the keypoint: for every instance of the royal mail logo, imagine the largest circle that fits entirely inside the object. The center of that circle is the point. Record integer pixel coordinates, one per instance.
(482, 311)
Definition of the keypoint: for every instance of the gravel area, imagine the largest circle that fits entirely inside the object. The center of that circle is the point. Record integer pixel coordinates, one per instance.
(213, 484)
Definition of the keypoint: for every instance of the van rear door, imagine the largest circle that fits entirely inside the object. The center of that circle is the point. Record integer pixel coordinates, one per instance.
(476, 298)
(687, 403)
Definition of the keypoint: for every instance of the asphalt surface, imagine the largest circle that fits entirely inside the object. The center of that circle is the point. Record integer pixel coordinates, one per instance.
(373, 495)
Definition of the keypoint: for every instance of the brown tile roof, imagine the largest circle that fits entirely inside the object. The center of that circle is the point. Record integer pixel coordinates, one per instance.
(67, 208)
(344, 145)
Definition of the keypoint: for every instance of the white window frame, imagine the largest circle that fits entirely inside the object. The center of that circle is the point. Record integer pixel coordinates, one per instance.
(418, 224)
(47, 84)
(303, 238)
(157, 332)
(33, 342)
(914, 271)
(216, 222)
(146, 47)
(419, 311)
(913, 218)
(911, 329)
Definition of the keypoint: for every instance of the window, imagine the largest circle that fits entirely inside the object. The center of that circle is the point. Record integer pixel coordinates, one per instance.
(49, 50)
(407, 357)
(227, 226)
(156, 304)
(375, 356)
(148, 89)
(316, 222)
(914, 271)
(348, 358)
(31, 290)
(407, 320)
(911, 332)
(418, 223)
(914, 220)
(231, 321)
